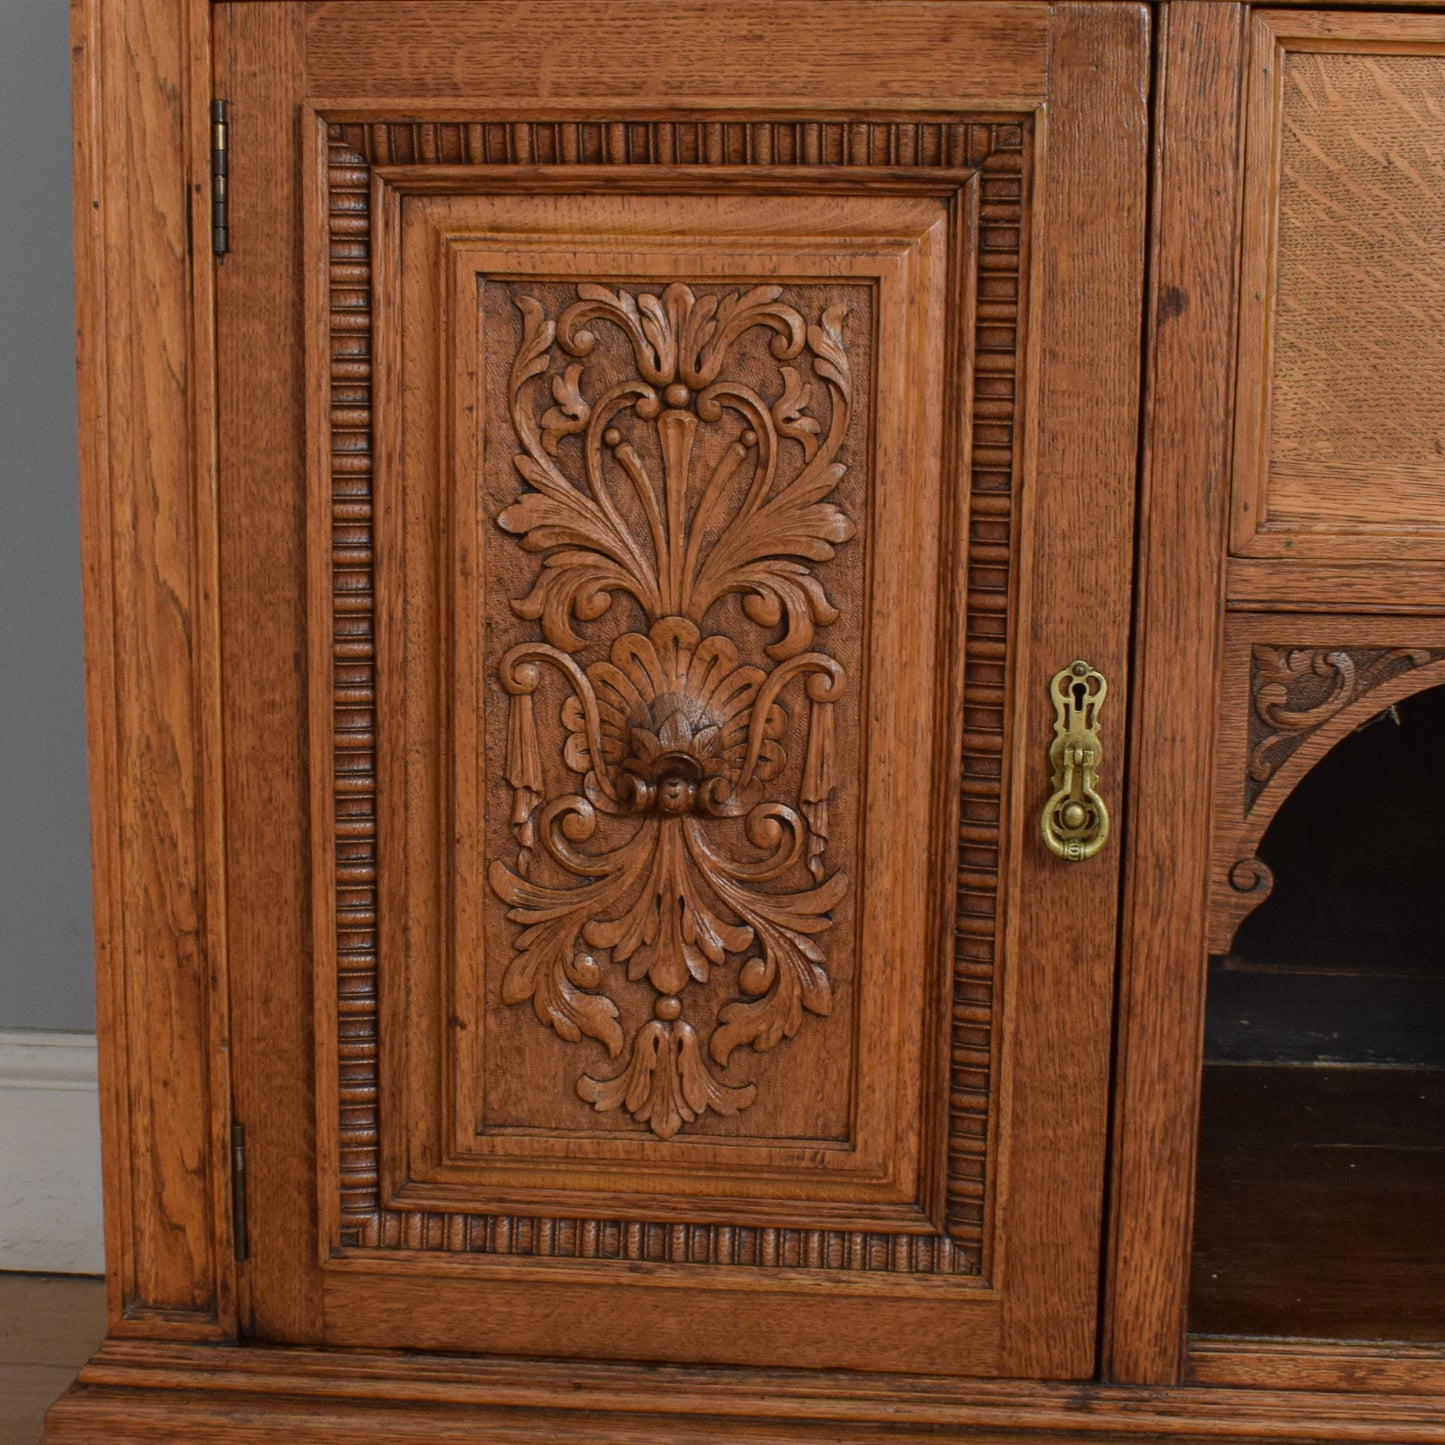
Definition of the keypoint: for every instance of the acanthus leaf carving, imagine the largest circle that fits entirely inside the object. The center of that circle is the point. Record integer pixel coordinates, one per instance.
(1294, 693)
(684, 840)
(1296, 690)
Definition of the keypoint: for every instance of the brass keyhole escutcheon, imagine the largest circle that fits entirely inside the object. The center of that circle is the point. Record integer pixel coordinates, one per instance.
(1075, 821)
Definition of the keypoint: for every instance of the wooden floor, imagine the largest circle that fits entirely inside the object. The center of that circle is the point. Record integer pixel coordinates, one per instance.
(49, 1326)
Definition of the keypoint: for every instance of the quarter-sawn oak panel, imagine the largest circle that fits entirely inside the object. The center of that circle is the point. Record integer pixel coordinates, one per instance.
(1340, 435)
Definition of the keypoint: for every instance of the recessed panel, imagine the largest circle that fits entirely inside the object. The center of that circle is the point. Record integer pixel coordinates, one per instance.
(675, 730)
(1342, 416)
(683, 545)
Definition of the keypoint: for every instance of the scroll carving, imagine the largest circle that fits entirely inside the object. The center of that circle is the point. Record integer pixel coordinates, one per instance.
(690, 484)
(1294, 692)
(1297, 690)
(1251, 881)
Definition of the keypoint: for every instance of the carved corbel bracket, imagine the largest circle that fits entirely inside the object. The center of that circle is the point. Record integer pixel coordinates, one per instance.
(1284, 708)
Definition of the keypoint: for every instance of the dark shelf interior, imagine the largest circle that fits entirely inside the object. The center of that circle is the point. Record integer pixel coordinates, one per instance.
(1320, 1198)
(1320, 1210)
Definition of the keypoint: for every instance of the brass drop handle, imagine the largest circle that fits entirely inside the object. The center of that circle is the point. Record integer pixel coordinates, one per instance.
(1075, 821)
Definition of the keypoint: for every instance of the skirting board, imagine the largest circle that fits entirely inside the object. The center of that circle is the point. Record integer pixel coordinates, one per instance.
(50, 1195)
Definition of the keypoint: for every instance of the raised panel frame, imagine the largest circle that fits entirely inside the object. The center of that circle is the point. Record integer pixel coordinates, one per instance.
(369, 165)
(888, 1143)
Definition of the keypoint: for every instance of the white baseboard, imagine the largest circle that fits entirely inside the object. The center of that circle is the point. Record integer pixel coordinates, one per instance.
(50, 1215)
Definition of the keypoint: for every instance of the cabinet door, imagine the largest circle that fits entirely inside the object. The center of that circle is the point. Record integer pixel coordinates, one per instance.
(664, 458)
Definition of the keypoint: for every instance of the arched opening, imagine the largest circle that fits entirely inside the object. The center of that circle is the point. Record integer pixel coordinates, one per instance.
(1320, 1199)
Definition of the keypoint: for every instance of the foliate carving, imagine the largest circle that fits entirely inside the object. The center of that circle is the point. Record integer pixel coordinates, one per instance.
(690, 484)
(1296, 690)
(997, 152)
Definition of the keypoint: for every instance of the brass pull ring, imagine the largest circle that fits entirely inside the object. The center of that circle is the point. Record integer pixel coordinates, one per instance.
(1075, 821)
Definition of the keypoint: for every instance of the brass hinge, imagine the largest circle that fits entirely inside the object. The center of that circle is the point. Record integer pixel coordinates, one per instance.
(238, 1189)
(219, 237)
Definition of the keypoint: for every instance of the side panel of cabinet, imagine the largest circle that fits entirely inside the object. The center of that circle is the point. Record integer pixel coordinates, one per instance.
(143, 339)
(650, 522)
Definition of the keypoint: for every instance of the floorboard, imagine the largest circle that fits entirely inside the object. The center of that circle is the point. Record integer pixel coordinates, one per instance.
(49, 1326)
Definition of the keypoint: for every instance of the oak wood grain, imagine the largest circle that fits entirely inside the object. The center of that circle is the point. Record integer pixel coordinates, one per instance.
(410, 1263)
(242, 577)
(667, 1314)
(133, 1386)
(678, 659)
(1077, 597)
(1179, 619)
(976, 55)
(1261, 584)
(263, 527)
(1000, 203)
(1392, 1368)
(1340, 443)
(970, 1103)
(147, 508)
(437, 159)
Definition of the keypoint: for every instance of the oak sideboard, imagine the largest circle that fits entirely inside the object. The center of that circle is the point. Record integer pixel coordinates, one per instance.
(765, 691)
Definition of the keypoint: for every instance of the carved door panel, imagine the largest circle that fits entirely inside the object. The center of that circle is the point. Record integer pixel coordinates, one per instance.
(663, 462)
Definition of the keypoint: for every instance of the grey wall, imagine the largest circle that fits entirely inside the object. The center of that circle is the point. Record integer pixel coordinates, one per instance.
(46, 979)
